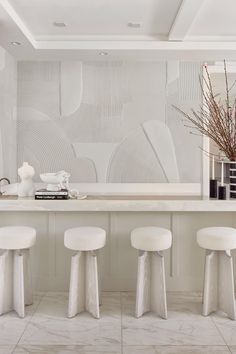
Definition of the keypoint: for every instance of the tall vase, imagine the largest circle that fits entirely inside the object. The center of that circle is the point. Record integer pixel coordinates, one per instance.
(232, 179)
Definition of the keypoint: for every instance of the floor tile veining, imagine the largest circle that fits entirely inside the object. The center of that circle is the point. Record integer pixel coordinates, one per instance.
(47, 330)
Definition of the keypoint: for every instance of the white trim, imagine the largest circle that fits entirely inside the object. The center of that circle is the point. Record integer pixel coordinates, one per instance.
(95, 37)
(205, 158)
(218, 68)
(187, 12)
(18, 21)
(137, 45)
(206, 38)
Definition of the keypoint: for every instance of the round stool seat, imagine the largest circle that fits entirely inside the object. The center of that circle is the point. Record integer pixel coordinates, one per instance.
(151, 238)
(217, 238)
(85, 238)
(17, 237)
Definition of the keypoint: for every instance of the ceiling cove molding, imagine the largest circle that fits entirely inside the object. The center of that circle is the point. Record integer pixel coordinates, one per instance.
(18, 21)
(137, 45)
(210, 38)
(187, 12)
(101, 38)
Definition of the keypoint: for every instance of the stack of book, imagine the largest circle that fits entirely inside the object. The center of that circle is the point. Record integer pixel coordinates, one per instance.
(52, 195)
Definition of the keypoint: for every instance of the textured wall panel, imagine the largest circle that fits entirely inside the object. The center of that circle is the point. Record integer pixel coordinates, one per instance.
(68, 108)
(8, 96)
(185, 93)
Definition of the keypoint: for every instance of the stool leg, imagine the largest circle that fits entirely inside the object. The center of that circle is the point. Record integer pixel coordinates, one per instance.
(91, 284)
(158, 285)
(99, 276)
(6, 281)
(143, 294)
(210, 292)
(18, 284)
(226, 284)
(27, 278)
(77, 285)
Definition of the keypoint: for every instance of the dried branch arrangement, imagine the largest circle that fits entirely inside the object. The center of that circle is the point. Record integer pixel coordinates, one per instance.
(216, 117)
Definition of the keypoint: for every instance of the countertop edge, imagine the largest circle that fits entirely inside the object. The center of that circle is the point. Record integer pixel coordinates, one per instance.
(160, 205)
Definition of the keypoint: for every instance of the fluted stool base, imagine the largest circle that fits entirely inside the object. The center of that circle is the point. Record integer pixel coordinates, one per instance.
(219, 283)
(151, 286)
(218, 293)
(84, 282)
(84, 291)
(15, 281)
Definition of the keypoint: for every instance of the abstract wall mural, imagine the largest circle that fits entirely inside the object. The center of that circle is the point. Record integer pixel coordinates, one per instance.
(109, 121)
(8, 109)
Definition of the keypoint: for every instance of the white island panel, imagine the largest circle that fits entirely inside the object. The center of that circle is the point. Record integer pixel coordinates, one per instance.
(184, 262)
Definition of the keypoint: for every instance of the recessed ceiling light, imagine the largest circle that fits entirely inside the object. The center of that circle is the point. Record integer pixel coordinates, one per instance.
(134, 24)
(59, 24)
(15, 43)
(103, 54)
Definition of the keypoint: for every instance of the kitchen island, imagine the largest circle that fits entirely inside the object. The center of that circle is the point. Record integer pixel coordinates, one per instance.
(119, 203)
(118, 215)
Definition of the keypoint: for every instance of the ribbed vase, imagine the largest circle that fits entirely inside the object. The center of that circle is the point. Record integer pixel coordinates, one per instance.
(232, 179)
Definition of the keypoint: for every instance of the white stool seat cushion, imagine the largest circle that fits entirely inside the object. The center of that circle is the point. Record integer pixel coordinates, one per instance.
(217, 238)
(151, 238)
(86, 238)
(17, 237)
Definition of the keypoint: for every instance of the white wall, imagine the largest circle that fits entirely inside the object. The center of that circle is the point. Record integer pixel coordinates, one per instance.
(8, 110)
(91, 119)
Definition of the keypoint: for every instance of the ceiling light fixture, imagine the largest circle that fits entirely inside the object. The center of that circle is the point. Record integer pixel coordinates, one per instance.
(103, 54)
(134, 24)
(59, 24)
(15, 43)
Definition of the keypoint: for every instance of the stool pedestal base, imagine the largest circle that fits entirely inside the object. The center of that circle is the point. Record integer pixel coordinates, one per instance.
(151, 287)
(84, 292)
(219, 284)
(15, 281)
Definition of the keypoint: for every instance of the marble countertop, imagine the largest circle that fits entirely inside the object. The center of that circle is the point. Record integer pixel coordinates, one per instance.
(119, 203)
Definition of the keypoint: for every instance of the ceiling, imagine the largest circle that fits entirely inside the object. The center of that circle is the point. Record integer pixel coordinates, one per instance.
(123, 29)
(97, 17)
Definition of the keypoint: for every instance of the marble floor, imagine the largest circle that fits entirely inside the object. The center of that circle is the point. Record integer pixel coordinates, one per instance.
(46, 330)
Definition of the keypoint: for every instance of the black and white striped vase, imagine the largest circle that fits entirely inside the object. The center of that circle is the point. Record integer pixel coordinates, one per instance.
(232, 179)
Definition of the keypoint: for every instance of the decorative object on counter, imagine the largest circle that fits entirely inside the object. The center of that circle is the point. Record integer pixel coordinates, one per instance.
(232, 179)
(213, 188)
(216, 117)
(231, 167)
(10, 189)
(213, 181)
(222, 187)
(56, 181)
(26, 186)
(75, 194)
(4, 179)
(44, 194)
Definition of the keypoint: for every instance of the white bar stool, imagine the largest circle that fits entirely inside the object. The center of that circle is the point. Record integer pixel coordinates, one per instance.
(219, 279)
(84, 287)
(151, 287)
(15, 275)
